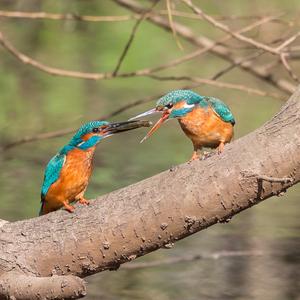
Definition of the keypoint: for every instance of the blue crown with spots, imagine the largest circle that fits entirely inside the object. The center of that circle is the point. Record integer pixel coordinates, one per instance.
(178, 95)
(85, 129)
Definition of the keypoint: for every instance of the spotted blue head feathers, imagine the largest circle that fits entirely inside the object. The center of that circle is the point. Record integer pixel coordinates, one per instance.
(179, 95)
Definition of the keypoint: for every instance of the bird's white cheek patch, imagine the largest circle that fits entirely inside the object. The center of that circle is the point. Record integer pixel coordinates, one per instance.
(188, 105)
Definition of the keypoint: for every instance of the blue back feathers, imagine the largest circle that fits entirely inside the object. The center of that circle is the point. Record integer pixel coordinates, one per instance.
(56, 163)
(52, 172)
(192, 98)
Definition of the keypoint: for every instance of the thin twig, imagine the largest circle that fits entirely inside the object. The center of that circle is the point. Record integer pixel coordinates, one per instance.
(201, 51)
(189, 258)
(220, 84)
(53, 71)
(226, 29)
(76, 17)
(131, 37)
(235, 64)
(109, 75)
(221, 51)
(68, 16)
(63, 132)
(288, 41)
(285, 63)
(169, 10)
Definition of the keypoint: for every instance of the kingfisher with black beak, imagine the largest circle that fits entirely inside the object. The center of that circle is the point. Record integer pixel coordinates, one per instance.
(207, 121)
(68, 172)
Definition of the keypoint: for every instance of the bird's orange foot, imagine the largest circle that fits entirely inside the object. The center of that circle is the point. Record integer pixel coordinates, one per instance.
(195, 156)
(221, 148)
(69, 207)
(84, 201)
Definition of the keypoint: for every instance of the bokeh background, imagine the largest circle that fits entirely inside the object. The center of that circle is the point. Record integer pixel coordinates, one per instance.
(33, 102)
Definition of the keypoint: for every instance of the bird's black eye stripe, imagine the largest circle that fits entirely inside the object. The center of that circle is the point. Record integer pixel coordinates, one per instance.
(96, 129)
(170, 105)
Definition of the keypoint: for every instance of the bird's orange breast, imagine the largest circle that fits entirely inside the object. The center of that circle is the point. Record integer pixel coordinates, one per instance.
(205, 128)
(73, 179)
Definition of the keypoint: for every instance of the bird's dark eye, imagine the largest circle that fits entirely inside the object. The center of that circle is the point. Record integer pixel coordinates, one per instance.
(170, 105)
(96, 129)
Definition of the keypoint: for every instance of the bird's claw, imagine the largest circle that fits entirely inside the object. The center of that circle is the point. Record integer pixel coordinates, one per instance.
(69, 207)
(84, 201)
(195, 156)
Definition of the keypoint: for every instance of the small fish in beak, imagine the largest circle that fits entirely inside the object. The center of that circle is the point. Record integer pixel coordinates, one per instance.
(159, 109)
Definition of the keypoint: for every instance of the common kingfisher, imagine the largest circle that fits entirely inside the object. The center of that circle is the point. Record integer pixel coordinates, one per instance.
(68, 172)
(207, 121)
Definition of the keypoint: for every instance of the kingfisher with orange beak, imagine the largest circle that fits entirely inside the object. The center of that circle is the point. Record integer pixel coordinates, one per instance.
(68, 172)
(207, 121)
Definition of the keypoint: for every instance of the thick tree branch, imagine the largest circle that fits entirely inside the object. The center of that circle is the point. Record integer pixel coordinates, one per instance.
(17, 286)
(158, 211)
(2, 222)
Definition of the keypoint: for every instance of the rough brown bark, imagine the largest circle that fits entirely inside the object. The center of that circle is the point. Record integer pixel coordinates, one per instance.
(17, 286)
(158, 211)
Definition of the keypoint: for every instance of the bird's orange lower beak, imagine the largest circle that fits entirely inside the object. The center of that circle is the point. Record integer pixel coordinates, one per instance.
(164, 117)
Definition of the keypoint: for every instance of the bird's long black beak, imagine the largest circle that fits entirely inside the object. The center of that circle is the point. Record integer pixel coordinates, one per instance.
(113, 128)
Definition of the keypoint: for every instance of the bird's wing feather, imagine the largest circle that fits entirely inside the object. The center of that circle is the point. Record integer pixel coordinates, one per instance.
(52, 172)
(221, 109)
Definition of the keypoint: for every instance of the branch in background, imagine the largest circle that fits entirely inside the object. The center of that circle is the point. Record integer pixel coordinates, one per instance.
(131, 37)
(170, 17)
(220, 84)
(184, 32)
(63, 132)
(285, 63)
(53, 71)
(75, 17)
(189, 258)
(226, 29)
(288, 41)
(221, 51)
(236, 64)
(277, 51)
(98, 76)
(69, 16)
(198, 52)
(109, 75)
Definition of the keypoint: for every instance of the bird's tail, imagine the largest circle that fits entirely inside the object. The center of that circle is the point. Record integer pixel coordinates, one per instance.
(45, 208)
(42, 208)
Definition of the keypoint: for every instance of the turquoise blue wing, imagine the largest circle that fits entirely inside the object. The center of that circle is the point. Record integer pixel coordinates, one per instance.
(52, 172)
(221, 109)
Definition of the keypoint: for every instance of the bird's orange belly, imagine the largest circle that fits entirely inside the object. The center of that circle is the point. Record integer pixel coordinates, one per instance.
(73, 180)
(205, 128)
